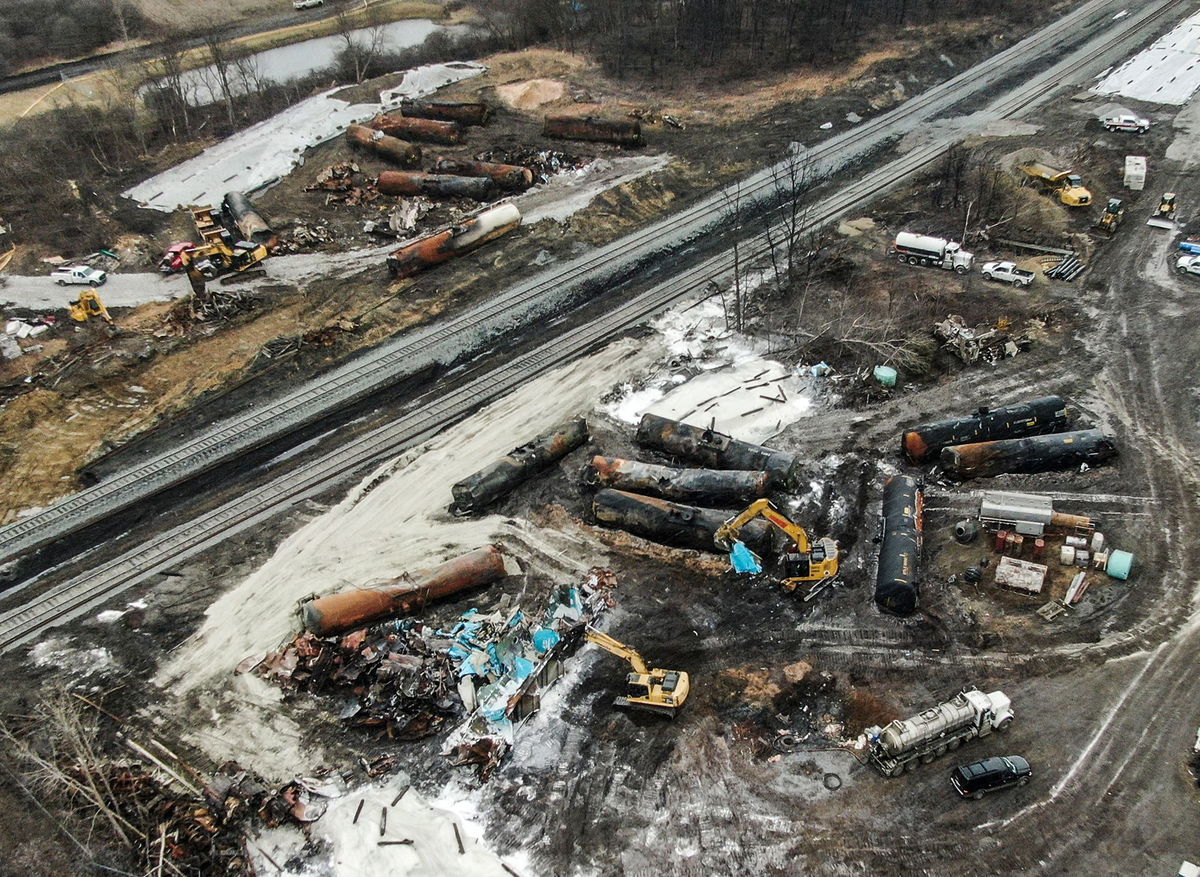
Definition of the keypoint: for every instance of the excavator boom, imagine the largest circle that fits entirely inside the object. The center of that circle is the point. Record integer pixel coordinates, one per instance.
(618, 648)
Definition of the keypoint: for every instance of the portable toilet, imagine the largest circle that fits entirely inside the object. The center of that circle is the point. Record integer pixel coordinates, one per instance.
(1135, 172)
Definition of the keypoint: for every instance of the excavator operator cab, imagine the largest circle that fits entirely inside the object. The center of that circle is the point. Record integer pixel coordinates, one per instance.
(636, 685)
(798, 566)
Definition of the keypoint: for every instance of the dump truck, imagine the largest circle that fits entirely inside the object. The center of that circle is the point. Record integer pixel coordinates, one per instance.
(1068, 184)
(931, 733)
(920, 249)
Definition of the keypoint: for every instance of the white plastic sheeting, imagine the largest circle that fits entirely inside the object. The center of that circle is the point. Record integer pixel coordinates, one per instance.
(1168, 72)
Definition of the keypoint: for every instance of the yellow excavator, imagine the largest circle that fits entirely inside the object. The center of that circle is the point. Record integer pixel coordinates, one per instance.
(805, 562)
(656, 691)
(88, 305)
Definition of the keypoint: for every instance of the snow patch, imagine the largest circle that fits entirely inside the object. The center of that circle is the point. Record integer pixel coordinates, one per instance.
(59, 653)
(567, 193)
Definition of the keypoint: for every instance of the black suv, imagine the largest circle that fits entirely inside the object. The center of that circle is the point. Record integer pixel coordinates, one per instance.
(977, 779)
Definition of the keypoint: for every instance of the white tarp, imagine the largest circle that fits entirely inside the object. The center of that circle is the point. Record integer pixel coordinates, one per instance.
(1168, 72)
(271, 149)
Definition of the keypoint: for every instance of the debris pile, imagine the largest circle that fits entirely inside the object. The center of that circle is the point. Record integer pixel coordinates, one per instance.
(506, 660)
(345, 184)
(397, 676)
(544, 163)
(324, 336)
(971, 344)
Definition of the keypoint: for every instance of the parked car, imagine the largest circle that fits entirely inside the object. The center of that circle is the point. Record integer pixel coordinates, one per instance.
(1126, 123)
(64, 274)
(990, 775)
(1007, 272)
(307, 4)
(1188, 265)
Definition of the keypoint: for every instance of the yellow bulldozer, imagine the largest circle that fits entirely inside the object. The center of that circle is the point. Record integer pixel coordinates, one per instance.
(88, 305)
(805, 561)
(654, 690)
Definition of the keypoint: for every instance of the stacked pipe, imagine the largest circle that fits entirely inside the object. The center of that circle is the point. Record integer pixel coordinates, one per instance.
(449, 243)
(715, 449)
(671, 523)
(462, 112)
(1068, 269)
(686, 485)
(362, 606)
(435, 185)
(479, 490)
(399, 151)
(902, 518)
(429, 130)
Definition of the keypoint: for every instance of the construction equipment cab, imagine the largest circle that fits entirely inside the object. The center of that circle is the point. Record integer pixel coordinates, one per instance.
(803, 562)
(1067, 184)
(1111, 218)
(657, 691)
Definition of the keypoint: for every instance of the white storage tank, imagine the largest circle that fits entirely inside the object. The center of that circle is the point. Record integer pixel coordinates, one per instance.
(1135, 172)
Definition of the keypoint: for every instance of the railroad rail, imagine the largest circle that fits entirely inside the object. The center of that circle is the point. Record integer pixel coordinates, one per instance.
(547, 293)
(73, 597)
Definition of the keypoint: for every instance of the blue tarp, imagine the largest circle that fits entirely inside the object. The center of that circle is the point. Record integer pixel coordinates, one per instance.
(744, 560)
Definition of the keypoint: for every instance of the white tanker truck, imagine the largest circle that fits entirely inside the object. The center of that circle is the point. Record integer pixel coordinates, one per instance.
(932, 732)
(921, 249)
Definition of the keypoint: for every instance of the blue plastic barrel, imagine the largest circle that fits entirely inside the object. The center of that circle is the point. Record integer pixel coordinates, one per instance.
(1119, 564)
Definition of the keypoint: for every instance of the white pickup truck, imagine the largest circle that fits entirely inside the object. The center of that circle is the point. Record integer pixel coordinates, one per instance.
(65, 274)
(1007, 272)
(1126, 123)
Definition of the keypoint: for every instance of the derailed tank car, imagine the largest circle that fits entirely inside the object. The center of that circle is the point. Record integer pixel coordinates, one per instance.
(902, 519)
(1040, 453)
(1035, 417)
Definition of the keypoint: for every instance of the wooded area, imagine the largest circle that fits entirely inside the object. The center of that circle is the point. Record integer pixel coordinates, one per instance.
(654, 37)
(33, 30)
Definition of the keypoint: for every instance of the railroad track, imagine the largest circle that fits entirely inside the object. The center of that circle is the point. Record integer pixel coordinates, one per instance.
(548, 293)
(74, 597)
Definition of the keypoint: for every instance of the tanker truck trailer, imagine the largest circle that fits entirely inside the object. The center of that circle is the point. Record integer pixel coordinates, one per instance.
(933, 732)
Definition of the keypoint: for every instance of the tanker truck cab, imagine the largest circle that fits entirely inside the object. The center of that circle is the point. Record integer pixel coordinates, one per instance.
(994, 710)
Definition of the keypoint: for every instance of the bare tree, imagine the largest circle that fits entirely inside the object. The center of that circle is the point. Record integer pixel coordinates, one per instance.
(361, 46)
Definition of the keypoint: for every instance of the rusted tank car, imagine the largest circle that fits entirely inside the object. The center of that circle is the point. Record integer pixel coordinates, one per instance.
(401, 152)
(427, 130)
(362, 606)
(506, 176)
(622, 132)
(902, 523)
(714, 449)
(452, 242)
(477, 491)
(435, 185)
(248, 220)
(1035, 417)
(671, 523)
(1039, 453)
(717, 486)
(463, 112)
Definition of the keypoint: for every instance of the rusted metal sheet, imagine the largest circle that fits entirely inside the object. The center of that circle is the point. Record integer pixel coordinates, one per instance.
(427, 130)
(620, 131)
(435, 185)
(523, 462)
(402, 153)
(351, 609)
(1040, 453)
(449, 243)
(463, 112)
(671, 523)
(1035, 417)
(902, 522)
(718, 486)
(507, 176)
(248, 220)
(714, 449)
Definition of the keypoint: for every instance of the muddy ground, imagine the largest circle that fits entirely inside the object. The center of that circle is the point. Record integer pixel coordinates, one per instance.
(1103, 695)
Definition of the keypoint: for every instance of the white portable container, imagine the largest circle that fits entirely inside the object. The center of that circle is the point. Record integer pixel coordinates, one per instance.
(1135, 172)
